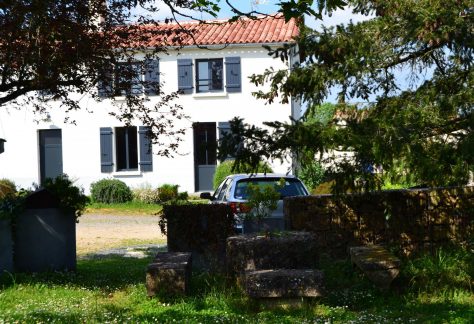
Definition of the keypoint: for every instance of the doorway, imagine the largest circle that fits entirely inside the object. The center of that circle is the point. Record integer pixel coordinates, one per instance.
(205, 155)
(51, 153)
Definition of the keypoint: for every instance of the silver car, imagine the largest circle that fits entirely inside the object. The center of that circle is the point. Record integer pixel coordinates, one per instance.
(233, 191)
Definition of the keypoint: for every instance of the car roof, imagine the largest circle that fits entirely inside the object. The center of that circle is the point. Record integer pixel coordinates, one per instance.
(241, 176)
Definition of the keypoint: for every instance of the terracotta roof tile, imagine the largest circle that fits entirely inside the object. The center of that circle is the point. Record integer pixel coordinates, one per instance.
(220, 32)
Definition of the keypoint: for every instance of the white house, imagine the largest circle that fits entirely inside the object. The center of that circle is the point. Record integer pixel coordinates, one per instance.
(216, 88)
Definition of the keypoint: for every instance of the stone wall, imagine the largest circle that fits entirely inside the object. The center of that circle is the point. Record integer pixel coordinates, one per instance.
(200, 229)
(410, 220)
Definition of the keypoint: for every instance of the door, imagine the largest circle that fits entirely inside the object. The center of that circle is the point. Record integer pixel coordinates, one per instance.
(51, 153)
(205, 154)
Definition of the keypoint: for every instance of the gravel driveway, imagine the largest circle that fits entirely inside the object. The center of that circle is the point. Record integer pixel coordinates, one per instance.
(99, 232)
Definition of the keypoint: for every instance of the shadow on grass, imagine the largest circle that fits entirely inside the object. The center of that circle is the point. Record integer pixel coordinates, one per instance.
(349, 297)
(106, 274)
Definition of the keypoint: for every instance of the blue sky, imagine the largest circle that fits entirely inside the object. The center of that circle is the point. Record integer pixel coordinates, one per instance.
(264, 6)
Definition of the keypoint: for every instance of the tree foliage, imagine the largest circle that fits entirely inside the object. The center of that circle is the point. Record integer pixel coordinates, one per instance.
(59, 50)
(423, 121)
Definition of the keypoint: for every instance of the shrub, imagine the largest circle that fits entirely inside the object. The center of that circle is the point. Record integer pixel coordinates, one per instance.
(312, 174)
(146, 194)
(7, 188)
(167, 192)
(446, 269)
(110, 191)
(70, 196)
(225, 169)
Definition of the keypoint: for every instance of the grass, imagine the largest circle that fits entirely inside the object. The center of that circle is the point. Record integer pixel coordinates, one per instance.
(128, 208)
(91, 249)
(112, 290)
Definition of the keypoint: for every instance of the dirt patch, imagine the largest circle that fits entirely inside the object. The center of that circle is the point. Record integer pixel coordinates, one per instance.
(99, 232)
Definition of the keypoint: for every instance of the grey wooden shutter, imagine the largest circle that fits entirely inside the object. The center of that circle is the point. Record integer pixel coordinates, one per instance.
(146, 153)
(233, 73)
(224, 128)
(105, 84)
(106, 157)
(152, 77)
(185, 75)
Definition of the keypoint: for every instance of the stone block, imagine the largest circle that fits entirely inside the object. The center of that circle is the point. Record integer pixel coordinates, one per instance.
(287, 250)
(169, 274)
(284, 283)
(380, 266)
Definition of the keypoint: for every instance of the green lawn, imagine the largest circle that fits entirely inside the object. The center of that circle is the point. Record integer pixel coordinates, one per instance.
(131, 208)
(128, 208)
(112, 290)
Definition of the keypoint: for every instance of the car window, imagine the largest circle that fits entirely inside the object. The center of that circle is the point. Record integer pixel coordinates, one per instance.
(291, 187)
(228, 191)
(218, 190)
(224, 187)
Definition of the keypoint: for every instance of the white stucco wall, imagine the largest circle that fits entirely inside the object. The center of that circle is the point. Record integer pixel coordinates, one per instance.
(81, 145)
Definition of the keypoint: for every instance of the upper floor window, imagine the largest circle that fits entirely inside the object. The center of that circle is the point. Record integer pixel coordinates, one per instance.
(130, 78)
(209, 75)
(212, 75)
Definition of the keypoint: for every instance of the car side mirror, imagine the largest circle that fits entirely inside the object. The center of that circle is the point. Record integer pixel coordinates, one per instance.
(205, 195)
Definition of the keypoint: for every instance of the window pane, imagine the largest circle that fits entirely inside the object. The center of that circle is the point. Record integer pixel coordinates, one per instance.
(216, 74)
(135, 77)
(209, 75)
(132, 148)
(128, 79)
(291, 187)
(126, 148)
(202, 76)
(120, 148)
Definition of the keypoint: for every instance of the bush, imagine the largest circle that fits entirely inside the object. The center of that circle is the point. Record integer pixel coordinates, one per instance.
(110, 191)
(146, 194)
(225, 169)
(167, 192)
(7, 188)
(312, 175)
(70, 196)
(447, 269)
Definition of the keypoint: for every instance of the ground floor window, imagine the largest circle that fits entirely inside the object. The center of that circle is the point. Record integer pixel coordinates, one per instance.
(126, 148)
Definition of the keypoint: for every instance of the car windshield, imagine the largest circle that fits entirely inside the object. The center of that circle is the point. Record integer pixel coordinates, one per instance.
(291, 187)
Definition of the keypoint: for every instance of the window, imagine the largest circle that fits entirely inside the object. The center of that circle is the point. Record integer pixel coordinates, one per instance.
(130, 78)
(125, 149)
(291, 187)
(209, 75)
(126, 152)
(219, 193)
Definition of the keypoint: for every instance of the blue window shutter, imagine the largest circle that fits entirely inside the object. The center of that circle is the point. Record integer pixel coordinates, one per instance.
(104, 86)
(224, 128)
(233, 75)
(185, 75)
(106, 157)
(146, 153)
(152, 77)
